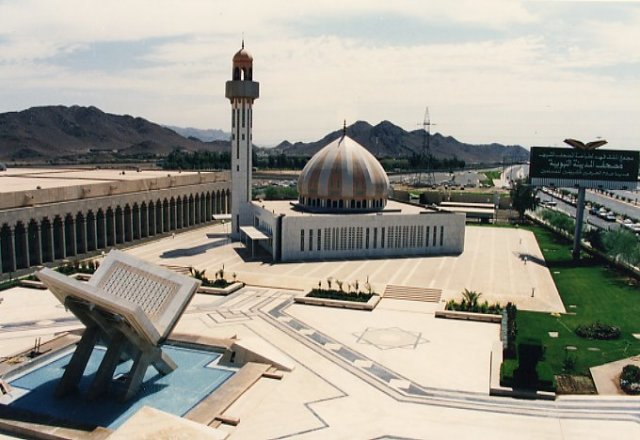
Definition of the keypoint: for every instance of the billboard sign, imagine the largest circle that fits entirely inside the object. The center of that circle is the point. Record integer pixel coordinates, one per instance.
(568, 167)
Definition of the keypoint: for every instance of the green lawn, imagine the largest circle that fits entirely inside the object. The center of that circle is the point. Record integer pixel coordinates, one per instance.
(591, 292)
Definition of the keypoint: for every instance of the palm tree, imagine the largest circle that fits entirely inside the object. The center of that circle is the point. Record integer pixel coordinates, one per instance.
(471, 297)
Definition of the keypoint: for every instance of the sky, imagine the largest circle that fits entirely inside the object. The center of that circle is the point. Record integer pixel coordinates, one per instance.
(510, 71)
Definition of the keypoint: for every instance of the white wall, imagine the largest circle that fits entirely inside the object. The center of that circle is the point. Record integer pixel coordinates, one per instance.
(452, 242)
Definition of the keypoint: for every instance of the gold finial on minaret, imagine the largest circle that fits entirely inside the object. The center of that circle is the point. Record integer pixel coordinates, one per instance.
(344, 127)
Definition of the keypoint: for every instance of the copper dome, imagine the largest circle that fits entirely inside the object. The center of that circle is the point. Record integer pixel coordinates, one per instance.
(343, 176)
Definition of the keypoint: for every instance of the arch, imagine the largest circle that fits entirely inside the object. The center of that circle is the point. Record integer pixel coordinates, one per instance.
(191, 210)
(151, 218)
(92, 231)
(81, 233)
(48, 249)
(128, 223)
(158, 214)
(8, 263)
(144, 220)
(101, 226)
(111, 226)
(196, 209)
(236, 74)
(119, 224)
(165, 215)
(207, 209)
(69, 235)
(34, 243)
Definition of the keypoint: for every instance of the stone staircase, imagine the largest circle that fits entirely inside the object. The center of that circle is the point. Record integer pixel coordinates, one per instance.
(183, 270)
(409, 293)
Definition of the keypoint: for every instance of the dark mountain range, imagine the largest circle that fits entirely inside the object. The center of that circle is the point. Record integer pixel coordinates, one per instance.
(41, 133)
(76, 133)
(389, 140)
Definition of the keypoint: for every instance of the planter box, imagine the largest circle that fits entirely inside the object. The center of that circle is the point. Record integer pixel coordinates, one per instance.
(355, 305)
(469, 316)
(223, 291)
(81, 276)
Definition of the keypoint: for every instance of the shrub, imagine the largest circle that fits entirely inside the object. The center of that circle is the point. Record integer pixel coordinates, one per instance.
(598, 330)
(340, 295)
(630, 379)
(530, 352)
(470, 303)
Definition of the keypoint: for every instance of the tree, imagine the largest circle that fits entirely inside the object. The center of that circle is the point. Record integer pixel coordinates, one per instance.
(471, 297)
(523, 197)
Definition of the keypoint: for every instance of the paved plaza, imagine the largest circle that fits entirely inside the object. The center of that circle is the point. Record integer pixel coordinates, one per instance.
(503, 264)
(395, 372)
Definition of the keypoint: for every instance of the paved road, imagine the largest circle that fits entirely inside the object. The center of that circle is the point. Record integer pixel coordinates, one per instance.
(571, 210)
(614, 205)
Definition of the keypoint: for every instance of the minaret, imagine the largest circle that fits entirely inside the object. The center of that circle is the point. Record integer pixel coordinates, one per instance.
(241, 91)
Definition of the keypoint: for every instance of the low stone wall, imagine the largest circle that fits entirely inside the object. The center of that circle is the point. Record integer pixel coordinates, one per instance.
(207, 290)
(469, 316)
(369, 305)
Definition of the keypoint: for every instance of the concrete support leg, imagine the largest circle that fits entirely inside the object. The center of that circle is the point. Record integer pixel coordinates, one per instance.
(107, 367)
(73, 371)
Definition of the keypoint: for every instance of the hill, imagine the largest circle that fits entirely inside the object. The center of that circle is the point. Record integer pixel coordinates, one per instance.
(389, 140)
(204, 135)
(42, 133)
(76, 134)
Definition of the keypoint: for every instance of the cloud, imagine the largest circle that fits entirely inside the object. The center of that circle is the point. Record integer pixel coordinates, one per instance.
(498, 70)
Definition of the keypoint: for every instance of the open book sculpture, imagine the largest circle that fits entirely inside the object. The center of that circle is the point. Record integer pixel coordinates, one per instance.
(129, 305)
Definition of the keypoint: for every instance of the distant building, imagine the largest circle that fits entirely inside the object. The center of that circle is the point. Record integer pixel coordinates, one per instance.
(343, 209)
(48, 215)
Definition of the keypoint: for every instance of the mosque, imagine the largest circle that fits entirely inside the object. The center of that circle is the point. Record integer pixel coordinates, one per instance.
(343, 209)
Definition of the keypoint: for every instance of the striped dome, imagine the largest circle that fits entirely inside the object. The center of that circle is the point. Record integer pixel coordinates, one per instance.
(343, 176)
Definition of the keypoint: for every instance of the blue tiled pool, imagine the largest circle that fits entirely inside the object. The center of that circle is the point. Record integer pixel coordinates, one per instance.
(175, 393)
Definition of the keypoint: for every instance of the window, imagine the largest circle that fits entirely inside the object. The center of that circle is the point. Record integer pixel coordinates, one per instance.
(302, 240)
(435, 233)
(243, 113)
(426, 242)
(382, 238)
(319, 239)
(327, 239)
(310, 239)
(366, 239)
(375, 237)
(441, 235)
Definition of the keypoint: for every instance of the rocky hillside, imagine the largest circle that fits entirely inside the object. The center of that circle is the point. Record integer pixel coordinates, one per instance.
(41, 133)
(389, 140)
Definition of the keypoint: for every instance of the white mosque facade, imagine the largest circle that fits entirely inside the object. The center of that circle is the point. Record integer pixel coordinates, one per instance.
(343, 209)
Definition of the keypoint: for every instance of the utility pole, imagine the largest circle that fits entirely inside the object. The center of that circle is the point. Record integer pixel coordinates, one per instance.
(425, 154)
